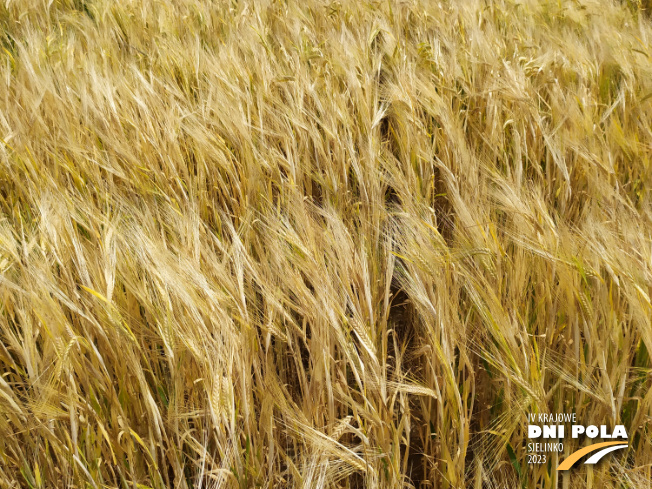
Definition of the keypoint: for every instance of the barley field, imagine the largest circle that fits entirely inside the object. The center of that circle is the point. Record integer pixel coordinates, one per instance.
(314, 244)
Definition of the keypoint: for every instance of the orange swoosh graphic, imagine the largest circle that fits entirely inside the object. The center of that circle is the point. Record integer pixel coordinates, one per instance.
(575, 456)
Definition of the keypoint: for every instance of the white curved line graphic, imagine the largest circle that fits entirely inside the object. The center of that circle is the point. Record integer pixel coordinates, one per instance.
(597, 456)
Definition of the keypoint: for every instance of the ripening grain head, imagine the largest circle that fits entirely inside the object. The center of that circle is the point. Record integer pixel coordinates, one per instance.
(321, 244)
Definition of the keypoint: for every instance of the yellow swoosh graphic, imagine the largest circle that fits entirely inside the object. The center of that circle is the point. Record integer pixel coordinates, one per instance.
(575, 456)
